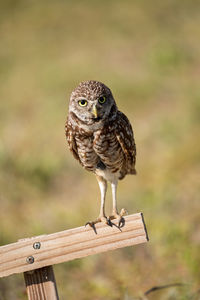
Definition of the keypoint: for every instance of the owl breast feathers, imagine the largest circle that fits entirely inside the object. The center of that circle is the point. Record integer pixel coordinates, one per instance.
(103, 144)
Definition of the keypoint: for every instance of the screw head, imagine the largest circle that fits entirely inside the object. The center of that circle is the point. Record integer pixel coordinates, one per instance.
(30, 259)
(36, 245)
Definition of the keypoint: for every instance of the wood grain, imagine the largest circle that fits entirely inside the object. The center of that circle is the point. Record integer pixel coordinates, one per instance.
(41, 284)
(70, 244)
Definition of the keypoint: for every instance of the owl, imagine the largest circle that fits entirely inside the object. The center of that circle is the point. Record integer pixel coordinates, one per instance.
(101, 139)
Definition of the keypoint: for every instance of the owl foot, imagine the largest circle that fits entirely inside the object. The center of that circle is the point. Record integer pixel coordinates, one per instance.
(98, 220)
(119, 217)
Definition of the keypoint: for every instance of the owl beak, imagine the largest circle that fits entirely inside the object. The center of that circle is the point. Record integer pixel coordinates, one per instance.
(94, 111)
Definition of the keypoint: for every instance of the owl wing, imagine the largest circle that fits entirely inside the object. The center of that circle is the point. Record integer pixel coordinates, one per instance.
(70, 136)
(125, 137)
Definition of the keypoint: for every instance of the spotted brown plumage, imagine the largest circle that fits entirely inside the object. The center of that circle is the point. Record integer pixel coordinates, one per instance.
(101, 138)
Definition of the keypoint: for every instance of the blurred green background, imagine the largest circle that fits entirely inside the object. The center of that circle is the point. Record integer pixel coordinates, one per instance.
(148, 53)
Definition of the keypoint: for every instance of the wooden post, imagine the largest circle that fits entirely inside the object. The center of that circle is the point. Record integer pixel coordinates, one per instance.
(41, 284)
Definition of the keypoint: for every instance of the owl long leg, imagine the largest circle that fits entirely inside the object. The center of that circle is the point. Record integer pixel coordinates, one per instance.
(102, 217)
(115, 214)
(114, 196)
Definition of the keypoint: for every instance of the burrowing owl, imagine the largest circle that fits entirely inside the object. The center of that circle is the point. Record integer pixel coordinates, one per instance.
(101, 138)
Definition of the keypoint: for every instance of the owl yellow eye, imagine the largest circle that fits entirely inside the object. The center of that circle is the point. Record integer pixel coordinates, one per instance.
(82, 102)
(102, 99)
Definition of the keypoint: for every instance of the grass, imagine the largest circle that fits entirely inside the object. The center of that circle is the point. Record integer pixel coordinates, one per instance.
(147, 52)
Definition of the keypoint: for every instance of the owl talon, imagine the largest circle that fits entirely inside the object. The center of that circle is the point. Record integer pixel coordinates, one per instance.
(103, 219)
(91, 224)
(123, 212)
(117, 226)
(119, 217)
(121, 223)
(109, 223)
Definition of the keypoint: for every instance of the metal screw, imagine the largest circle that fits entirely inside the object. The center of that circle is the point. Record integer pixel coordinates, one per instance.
(30, 259)
(36, 245)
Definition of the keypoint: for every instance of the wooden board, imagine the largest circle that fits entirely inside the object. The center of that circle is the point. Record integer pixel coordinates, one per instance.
(67, 245)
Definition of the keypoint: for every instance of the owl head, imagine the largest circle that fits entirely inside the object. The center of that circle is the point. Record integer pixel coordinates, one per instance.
(92, 102)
